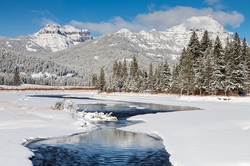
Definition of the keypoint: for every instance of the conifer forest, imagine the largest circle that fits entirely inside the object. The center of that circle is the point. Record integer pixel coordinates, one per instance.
(205, 67)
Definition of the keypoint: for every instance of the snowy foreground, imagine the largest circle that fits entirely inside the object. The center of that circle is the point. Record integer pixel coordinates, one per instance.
(217, 135)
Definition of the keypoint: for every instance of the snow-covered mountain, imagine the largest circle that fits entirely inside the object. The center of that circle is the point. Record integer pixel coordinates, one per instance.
(64, 45)
(148, 47)
(58, 37)
(49, 39)
(173, 40)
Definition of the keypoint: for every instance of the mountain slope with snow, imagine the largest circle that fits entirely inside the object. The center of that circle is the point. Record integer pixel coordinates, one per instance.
(173, 40)
(148, 47)
(58, 38)
(49, 39)
(64, 45)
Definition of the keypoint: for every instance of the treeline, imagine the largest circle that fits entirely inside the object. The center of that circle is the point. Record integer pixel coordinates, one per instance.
(18, 69)
(205, 68)
(134, 78)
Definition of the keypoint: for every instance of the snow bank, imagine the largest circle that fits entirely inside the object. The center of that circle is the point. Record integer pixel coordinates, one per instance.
(217, 135)
(23, 118)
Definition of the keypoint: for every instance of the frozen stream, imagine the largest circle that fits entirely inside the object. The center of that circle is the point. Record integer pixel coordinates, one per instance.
(108, 145)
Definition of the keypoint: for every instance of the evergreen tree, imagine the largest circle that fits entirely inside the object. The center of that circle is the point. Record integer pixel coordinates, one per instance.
(228, 58)
(115, 76)
(194, 51)
(166, 75)
(157, 78)
(199, 74)
(238, 72)
(134, 75)
(102, 79)
(186, 75)
(16, 78)
(194, 47)
(125, 75)
(245, 58)
(208, 70)
(124, 70)
(246, 54)
(151, 77)
(134, 68)
(94, 80)
(218, 73)
(174, 80)
(205, 42)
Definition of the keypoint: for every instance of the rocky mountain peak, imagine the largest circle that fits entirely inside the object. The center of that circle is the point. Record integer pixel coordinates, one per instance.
(63, 30)
(203, 23)
(57, 37)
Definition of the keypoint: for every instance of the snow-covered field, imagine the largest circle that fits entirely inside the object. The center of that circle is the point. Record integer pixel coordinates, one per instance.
(217, 135)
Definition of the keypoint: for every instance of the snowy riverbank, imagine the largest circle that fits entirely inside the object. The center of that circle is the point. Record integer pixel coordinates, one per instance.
(217, 135)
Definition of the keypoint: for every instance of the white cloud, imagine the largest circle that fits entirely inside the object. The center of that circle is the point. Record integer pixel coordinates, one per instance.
(108, 27)
(41, 12)
(46, 21)
(151, 7)
(161, 20)
(212, 2)
(217, 4)
(44, 17)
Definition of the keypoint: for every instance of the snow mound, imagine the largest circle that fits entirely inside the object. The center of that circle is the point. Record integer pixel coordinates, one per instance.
(68, 105)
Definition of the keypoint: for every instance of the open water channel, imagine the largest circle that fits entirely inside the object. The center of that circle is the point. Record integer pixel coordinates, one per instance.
(108, 145)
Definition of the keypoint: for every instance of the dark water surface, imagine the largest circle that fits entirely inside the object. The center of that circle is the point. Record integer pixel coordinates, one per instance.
(101, 147)
(128, 109)
(107, 146)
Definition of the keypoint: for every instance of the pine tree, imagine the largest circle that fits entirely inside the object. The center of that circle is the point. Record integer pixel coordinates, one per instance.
(16, 78)
(245, 63)
(94, 80)
(199, 74)
(134, 75)
(102, 79)
(194, 47)
(144, 79)
(166, 74)
(195, 57)
(151, 77)
(115, 76)
(124, 70)
(246, 54)
(157, 78)
(218, 73)
(125, 75)
(174, 80)
(208, 70)
(134, 68)
(186, 75)
(229, 67)
(205, 42)
(238, 70)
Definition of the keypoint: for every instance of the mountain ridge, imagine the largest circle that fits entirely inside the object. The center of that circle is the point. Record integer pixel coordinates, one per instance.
(148, 47)
(49, 39)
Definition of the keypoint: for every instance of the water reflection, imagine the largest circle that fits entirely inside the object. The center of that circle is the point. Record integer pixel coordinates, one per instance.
(128, 109)
(108, 146)
(102, 147)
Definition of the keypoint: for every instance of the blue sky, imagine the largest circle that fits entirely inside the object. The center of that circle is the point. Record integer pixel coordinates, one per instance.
(101, 17)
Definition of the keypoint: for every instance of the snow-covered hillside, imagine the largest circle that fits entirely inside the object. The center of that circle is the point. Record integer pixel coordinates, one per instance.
(59, 43)
(49, 39)
(148, 46)
(173, 40)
